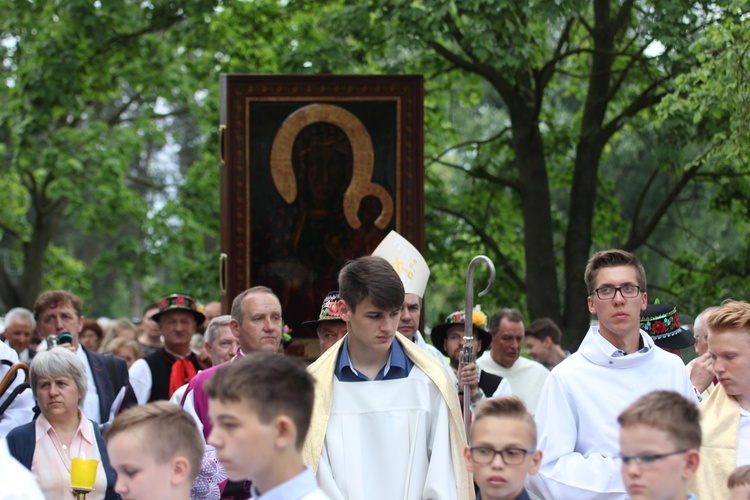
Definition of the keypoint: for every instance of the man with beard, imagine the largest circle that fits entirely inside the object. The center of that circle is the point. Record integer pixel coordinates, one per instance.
(449, 337)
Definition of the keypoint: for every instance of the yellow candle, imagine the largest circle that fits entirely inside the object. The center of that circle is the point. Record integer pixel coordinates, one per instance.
(83, 473)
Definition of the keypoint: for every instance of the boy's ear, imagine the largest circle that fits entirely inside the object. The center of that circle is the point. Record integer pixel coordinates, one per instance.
(592, 306)
(180, 470)
(469, 463)
(536, 461)
(344, 310)
(286, 432)
(547, 342)
(693, 460)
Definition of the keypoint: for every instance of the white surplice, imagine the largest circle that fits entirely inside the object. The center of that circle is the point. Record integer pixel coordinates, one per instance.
(401, 449)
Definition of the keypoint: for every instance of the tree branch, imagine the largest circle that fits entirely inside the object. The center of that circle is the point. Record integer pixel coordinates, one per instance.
(482, 173)
(490, 243)
(10, 230)
(473, 142)
(636, 239)
(502, 85)
(646, 100)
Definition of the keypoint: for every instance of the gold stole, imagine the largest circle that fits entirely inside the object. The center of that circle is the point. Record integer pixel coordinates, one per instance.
(322, 370)
(720, 424)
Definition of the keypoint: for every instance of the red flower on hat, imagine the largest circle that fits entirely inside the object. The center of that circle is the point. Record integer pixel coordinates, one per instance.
(676, 321)
(162, 304)
(659, 327)
(180, 301)
(333, 309)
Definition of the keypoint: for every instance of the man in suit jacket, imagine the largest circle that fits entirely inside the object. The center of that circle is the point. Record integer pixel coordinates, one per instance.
(59, 311)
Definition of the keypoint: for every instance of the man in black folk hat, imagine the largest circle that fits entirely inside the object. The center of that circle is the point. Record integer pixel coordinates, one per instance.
(448, 337)
(662, 323)
(174, 364)
(329, 326)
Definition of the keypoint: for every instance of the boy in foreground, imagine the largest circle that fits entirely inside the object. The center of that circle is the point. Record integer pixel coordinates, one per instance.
(386, 422)
(660, 435)
(260, 407)
(156, 451)
(503, 449)
(739, 483)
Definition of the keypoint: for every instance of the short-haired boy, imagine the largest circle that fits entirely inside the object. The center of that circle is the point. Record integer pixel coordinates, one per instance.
(660, 438)
(387, 422)
(739, 483)
(260, 408)
(502, 448)
(156, 450)
(726, 412)
(543, 338)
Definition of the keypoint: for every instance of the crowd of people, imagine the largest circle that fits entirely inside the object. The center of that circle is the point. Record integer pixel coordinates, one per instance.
(195, 404)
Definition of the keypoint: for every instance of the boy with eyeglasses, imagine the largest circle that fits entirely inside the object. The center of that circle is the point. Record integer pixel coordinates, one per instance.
(660, 438)
(615, 364)
(502, 450)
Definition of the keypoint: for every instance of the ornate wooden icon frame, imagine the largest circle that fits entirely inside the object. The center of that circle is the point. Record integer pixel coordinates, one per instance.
(261, 116)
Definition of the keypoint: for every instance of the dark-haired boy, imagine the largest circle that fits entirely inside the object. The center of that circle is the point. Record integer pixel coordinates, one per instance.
(386, 422)
(260, 408)
(543, 343)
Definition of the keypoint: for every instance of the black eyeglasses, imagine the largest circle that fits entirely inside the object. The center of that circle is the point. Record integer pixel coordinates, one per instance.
(647, 459)
(511, 456)
(609, 292)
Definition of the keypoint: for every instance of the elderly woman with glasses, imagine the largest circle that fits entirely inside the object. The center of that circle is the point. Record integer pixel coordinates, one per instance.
(62, 432)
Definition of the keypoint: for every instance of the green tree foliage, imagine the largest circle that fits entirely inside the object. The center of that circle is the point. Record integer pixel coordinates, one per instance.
(557, 90)
(88, 88)
(552, 129)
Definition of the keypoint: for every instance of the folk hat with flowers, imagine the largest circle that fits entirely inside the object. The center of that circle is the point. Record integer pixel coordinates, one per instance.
(329, 311)
(479, 323)
(178, 302)
(662, 323)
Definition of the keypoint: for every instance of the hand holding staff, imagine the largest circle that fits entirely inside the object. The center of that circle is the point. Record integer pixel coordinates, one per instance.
(467, 357)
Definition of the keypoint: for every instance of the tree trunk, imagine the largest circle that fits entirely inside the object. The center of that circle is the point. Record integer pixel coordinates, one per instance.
(576, 315)
(542, 292)
(44, 227)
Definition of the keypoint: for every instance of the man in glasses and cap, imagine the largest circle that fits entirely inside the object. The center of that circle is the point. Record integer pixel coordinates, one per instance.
(449, 339)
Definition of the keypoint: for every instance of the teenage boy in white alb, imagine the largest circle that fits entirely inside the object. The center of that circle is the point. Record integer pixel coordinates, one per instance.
(386, 422)
(582, 397)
